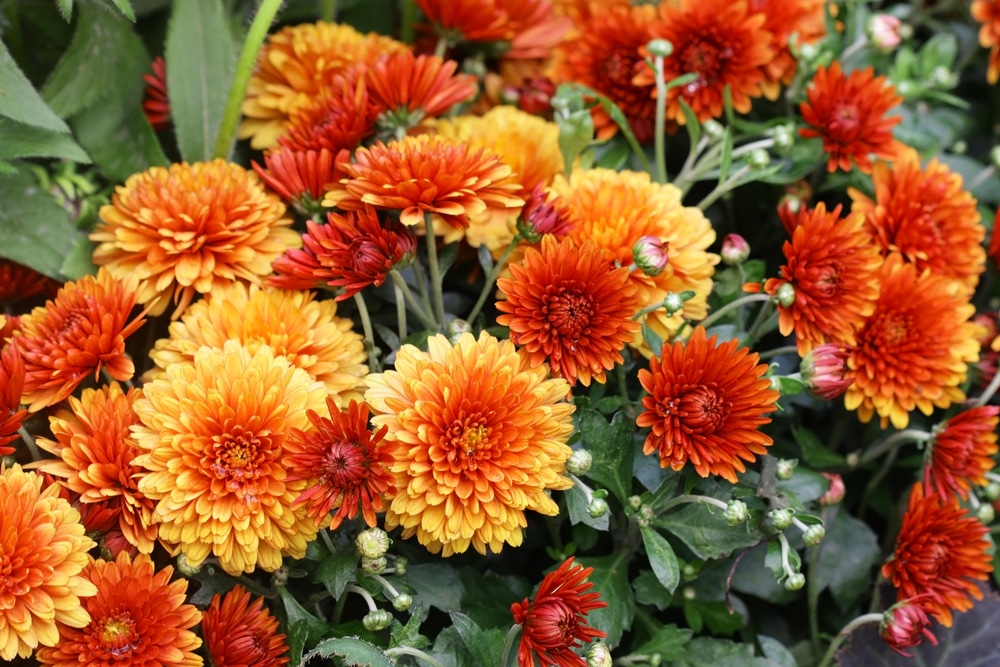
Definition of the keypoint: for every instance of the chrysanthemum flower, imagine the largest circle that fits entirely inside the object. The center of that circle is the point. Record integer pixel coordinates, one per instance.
(304, 331)
(156, 103)
(478, 437)
(913, 351)
(987, 13)
(706, 404)
(905, 625)
(345, 463)
(299, 177)
(927, 217)
(569, 304)
(833, 266)
(962, 451)
(296, 64)
(941, 552)
(19, 282)
(784, 18)
(11, 387)
(241, 633)
(338, 118)
(543, 213)
(43, 551)
(187, 229)
(602, 53)
(849, 114)
(95, 450)
(617, 208)
(554, 623)
(80, 332)
(824, 370)
(214, 433)
(351, 251)
(428, 174)
(721, 41)
(139, 618)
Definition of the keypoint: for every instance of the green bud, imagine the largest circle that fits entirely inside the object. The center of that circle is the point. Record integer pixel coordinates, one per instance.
(986, 513)
(784, 138)
(372, 543)
(597, 508)
(795, 581)
(374, 565)
(599, 655)
(713, 129)
(758, 158)
(786, 295)
(660, 48)
(814, 535)
(992, 491)
(907, 88)
(782, 518)
(635, 502)
(456, 328)
(736, 513)
(400, 565)
(786, 468)
(579, 462)
(689, 593)
(960, 147)
(185, 567)
(402, 602)
(673, 303)
(376, 620)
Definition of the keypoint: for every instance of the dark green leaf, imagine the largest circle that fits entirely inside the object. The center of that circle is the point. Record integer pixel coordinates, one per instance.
(790, 386)
(610, 579)
(447, 257)
(691, 122)
(754, 578)
(669, 643)
(337, 570)
(297, 617)
(776, 652)
(807, 485)
(200, 61)
(409, 634)
(212, 580)
(449, 649)
(436, 584)
(715, 615)
(488, 596)
(814, 452)
(707, 652)
(484, 645)
(18, 140)
(576, 503)
(79, 259)
(661, 558)
(18, 99)
(846, 558)
(118, 137)
(774, 562)
(611, 447)
(34, 229)
(706, 532)
(648, 590)
(651, 338)
(355, 651)
(615, 156)
(125, 7)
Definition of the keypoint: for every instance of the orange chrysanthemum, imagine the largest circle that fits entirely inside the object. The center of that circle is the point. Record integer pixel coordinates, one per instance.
(411, 88)
(555, 622)
(940, 553)
(241, 633)
(299, 177)
(721, 41)
(962, 451)
(297, 63)
(11, 387)
(784, 18)
(617, 208)
(188, 229)
(571, 305)
(527, 28)
(139, 618)
(213, 431)
(833, 266)
(849, 114)
(478, 437)
(18, 283)
(987, 12)
(156, 103)
(80, 332)
(602, 54)
(95, 450)
(428, 174)
(304, 331)
(706, 404)
(43, 551)
(925, 215)
(913, 351)
(345, 463)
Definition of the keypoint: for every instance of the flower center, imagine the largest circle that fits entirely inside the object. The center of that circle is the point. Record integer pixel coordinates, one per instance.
(617, 69)
(552, 624)
(701, 410)
(706, 59)
(237, 457)
(117, 635)
(845, 123)
(345, 465)
(467, 440)
(568, 312)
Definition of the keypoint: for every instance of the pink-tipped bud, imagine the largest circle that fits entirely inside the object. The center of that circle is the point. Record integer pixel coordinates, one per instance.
(836, 491)
(883, 30)
(824, 369)
(904, 625)
(542, 215)
(735, 249)
(650, 255)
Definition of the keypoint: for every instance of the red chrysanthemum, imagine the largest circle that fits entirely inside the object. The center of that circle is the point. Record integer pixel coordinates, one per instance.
(571, 305)
(555, 621)
(157, 103)
(904, 625)
(706, 403)
(987, 12)
(849, 114)
(11, 386)
(241, 633)
(941, 552)
(962, 451)
(77, 334)
(300, 177)
(411, 88)
(347, 468)
(351, 251)
(543, 214)
(784, 18)
(18, 282)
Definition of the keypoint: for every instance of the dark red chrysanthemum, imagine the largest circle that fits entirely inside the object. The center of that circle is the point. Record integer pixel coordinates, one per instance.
(962, 451)
(18, 282)
(11, 386)
(904, 625)
(241, 633)
(347, 468)
(157, 101)
(555, 622)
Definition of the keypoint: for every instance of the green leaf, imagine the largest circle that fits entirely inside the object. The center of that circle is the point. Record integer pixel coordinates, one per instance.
(776, 652)
(753, 578)
(18, 140)
(488, 596)
(125, 7)
(576, 503)
(691, 122)
(18, 99)
(34, 229)
(79, 259)
(706, 532)
(484, 645)
(447, 257)
(649, 590)
(611, 447)
(714, 614)
(296, 617)
(652, 338)
(814, 452)
(353, 650)
(610, 579)
(200, 61)
(576, 131)
(436, 584)
(669, 643)
(65, 8)
(807, 485)
(726, 160)
(708, 652)
(661, 558)
(337, 570)
(118, 137)
(846, 558)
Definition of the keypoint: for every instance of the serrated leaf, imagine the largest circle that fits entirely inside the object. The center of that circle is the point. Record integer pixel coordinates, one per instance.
(353, 650)
(18, 140)
(34, 229)
(846, 558)
(200, 61)
(610, 579)
(18, 99)
(669, 643)
(297, 618)
(706, 532)
(648, 590)
(708, 652)
(125, 7)
(611, 446)
(337, 570)
(814, 453)
(65, 9)
(662, 558)
(484, 645)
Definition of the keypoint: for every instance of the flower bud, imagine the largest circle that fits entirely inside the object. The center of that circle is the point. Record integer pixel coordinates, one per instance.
(836, 491)
(400, 565)
(402, 602)
(782, 518)
(280, 576)
(646, 515)
(597, 508)
(786, 468)
(992, 491)
(456, 328)
(795, 581)
(784, 138)
(809, 52)
(907, 88)
(374, 565)
(785, 295)
(376, 620)
(510, 95)
(904, 625)
(635, 502)
(735, 249)
(599, 655)
(986, 513)
(814, 535)
(535, 96)
(689, 571)
(650, 255)
(960, 147)
(673, 303)
(736, 513)
(713, 129)
(185, 567)
(372, 543)
(542, 215)
(689, 593)
(824, 371)
(943, 77)
(661, 48)
(579, 462)
(758, 158)
(883, 31)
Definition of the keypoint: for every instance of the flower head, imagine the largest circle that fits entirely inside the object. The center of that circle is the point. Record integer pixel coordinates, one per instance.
(987, 13)
(157, 102)
(706, 404)
(11, 387)
(213, 431)
(849, 114)
(19, 283)
(962, 451)
(80, 332)
(299, 177)
(345, 462)
(410, 88)
(138, 618)
(43, 551)
(478, 437)
(543, 214)
(905, 625)
(338, 118)
(941, 552)
(571, 305)
(784, 18)
(555, 621)
(913, 350)
(241, 633)
(187, 229)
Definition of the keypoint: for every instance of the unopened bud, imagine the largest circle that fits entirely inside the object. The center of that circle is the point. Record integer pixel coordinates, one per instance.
(735, 249)
(758, 158)
(905, 625)
(736, 513)
(713, 129)
(635, 502)
(836, 491)
(456, 328)
(785, 295)
(883, 31)
(906, 88)
(400, 565)
(786, 468)
(376, 620)
(280, 576)
(673, 303)
(992, 491)
(402, 602)
(808, 52)
(986, 513)
(824, 371)
(185, 567)
(597, 508)
(374, 565)
(943, 77)
(795, 581)
(660, 47)
(650, 254)
(689, 571)
(960, 147)
(646, 515)
(689, 593)
(599, 655)
(784, 138)
(510, 95)
(372, 543)
(782, 518)
(814, 535)
(579, 462)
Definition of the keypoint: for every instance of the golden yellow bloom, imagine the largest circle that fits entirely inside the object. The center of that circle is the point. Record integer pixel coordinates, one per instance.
(213, 431)
(43, 550)
(305, 331)
(616, 209)
(478, 436)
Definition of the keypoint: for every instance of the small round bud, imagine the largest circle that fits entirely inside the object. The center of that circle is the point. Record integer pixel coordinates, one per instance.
(736, 513)
(786, 468)
(960, 147)
(661, 48)
(814, 535)
(673, 303)
(599, 655)
(646, 514)
(906, 88)
(650, 254)
(795, 581)
(597, 508)
(400, 565)
(782, 518)
(824, 371)
(995, 156)
(376, 620)
(655, 660)
(579, 462)
(808, 52)
(986, 513)
(943, 77)
(836, 491)
(785, 295)
(784, 138)
(635, 502)
(280, 576)
(735, 250)
(689, 572)
(402, 602)
(374, 565)
(185, 567)
(853, 459)
(992, 491)
(713, 129)
(372, 543)
(758, 158)
(689, 593)
(456, 328)
(883, 31)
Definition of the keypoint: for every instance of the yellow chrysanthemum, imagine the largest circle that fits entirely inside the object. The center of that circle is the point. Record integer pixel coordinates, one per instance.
(297, 63)
(478, 436)
(616, 209)
(213, 431)
(43, 550)
(306, 332)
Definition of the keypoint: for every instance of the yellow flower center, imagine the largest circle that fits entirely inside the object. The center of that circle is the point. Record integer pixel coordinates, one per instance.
(118, 636)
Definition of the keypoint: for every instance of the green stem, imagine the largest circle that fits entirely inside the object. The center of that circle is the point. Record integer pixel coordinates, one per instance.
(491, 278)
(813, 585)
(366, 324)
(990, 390)
(354, 588)
(689, 498)
(732, 305)
(770, 354)
(661, 112)
(400, 309)
(384, 583)
(241, 79)
(408, 11)
(876, 479)
(415, 652)
(36, 453)
(880, 448)
(843, 634)
(421, 312)
(435, 269)
(723, 188)
(325, 535)
(763, 324)
(328, 10)
(508, 644)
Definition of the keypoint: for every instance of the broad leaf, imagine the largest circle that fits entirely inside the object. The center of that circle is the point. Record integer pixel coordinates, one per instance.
(814, 452)
(118, 137)
(297, 618)
(649, 590)
(611, 447)
(576, 503)
(18, 99)
(436, 584)
(706, 532)
(846, 558)
(337, 570)
(484, 645)
(706, 652)
(610, 579)
(669, 643)
(34, 229)
(18, 140)
(661, 558)
(353, 650)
